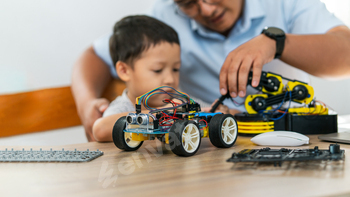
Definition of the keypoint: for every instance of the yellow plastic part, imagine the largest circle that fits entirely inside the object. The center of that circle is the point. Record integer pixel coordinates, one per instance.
(248, 101)
(190, 117)
(139, 137)
(255, 127)
(280, 89)
(254, 131)
(318, 109)
(167, 138)
(292, 84)
(255, 123)
(206, 132)
(262, 127)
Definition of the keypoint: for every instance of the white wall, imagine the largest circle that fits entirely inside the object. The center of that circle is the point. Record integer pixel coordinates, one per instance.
(41, 39)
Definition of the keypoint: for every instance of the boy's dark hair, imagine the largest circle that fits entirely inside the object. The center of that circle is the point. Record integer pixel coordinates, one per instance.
(133, 35)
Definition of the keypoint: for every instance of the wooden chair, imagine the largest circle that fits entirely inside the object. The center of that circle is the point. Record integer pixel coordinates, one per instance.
(44, 109)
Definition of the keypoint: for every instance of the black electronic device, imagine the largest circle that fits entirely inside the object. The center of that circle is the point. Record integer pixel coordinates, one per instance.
(277, 156)
(302, 123)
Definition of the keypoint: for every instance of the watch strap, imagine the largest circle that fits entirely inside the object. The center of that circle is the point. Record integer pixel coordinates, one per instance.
(279, 46)
(279, 38)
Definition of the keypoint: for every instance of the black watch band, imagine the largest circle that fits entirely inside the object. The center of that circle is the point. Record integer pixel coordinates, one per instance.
(279, 36)
(279, 47)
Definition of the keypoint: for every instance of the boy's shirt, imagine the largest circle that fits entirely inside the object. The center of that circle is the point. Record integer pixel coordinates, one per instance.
(119, 105)
(123, 104)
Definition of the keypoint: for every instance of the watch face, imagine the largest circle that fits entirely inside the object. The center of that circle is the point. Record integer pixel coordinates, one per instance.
(275, 31)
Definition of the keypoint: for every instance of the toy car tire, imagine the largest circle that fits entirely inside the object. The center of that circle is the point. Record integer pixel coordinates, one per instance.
(184, 138)
(223, 130)
(122, 139)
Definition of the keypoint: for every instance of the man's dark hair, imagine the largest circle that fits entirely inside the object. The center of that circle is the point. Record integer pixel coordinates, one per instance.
(133, 35)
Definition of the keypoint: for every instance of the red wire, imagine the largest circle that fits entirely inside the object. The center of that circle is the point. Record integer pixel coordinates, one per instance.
(166, 117)
(206, 123)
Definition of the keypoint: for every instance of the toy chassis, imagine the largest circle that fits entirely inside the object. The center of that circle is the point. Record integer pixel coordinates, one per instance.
(181, 126)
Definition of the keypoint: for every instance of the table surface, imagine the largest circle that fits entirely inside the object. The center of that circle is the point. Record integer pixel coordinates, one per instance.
(155, 170)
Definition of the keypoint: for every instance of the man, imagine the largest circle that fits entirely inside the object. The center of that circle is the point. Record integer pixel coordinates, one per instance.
(222, 40)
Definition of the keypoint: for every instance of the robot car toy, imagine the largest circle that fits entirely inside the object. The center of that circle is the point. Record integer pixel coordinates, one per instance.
(181, 124)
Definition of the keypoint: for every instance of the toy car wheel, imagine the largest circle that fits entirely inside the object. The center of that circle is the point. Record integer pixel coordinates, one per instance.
(122, 139)
(223, 130)
(184, 138)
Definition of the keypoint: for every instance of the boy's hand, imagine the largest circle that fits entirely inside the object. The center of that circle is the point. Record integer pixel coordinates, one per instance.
(90, 113)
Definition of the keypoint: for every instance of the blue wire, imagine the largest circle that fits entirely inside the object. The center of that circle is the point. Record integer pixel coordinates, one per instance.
(285, 95)
(176, 95)
(290, 100)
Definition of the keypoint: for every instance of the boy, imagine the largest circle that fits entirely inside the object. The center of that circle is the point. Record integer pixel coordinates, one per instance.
(146, 53)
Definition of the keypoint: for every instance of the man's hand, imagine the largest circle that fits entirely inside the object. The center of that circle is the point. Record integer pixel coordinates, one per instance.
(89, 78)
(251, 55)
(91, 111)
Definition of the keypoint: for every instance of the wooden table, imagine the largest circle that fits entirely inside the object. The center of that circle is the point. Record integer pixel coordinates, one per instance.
(161, 173)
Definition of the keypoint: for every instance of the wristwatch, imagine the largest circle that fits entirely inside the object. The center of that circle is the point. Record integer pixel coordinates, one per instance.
(278, 35)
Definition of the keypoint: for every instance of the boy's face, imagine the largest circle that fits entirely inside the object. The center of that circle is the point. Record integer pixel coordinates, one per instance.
(157, 66)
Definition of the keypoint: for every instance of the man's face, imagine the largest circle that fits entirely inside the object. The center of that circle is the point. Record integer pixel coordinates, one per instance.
(219, 16)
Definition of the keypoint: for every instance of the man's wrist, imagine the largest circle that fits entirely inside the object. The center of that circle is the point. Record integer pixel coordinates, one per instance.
(271, 44)
(279, 36)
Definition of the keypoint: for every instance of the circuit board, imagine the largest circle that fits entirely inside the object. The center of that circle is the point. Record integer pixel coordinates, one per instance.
(277, 156)
(48, 155)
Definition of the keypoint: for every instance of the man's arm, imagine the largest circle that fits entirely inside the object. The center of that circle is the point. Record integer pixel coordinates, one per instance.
(325, 55)
(90, 77)
(322, 55)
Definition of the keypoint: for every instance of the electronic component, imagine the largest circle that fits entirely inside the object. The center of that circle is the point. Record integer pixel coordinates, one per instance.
(48, 155)
(277, 156)
(131, 118)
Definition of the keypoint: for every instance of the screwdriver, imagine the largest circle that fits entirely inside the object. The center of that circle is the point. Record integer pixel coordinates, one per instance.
(220, 101)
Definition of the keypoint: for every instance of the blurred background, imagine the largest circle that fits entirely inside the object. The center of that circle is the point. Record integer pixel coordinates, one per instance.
(40, 40)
